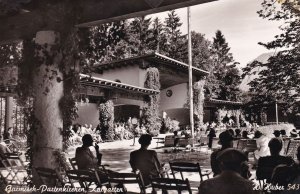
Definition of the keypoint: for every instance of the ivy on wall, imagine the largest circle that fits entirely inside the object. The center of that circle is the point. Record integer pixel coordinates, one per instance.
(106, 117)
(150, 112)
(199, 101)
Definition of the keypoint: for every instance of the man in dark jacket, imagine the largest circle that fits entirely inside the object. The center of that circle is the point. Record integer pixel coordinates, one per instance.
(145, 160)
(88, 156)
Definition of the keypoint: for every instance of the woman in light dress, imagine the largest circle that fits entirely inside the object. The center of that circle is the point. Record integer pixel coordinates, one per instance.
(262, 142)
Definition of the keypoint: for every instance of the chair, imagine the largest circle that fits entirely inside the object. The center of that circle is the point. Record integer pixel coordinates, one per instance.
(85, 178)
(47, 175)
(215, 143)
(169, 141)
(126, 178)
(16, 171)
(171, 185)
(188, 167)
(292, 148)
(286, 142)
(73, 163)
(242, 143)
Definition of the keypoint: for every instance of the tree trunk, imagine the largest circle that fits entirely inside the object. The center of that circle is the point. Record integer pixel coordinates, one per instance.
(48, 92)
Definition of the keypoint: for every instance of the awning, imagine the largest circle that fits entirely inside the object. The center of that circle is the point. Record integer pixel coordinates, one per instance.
(86, 80)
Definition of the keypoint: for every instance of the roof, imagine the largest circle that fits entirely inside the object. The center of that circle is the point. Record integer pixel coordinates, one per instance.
(87, 80)
(223, 102)
(153, 57)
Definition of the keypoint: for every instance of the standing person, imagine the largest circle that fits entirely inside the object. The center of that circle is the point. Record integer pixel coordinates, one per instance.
(211, 135)
(144, 160)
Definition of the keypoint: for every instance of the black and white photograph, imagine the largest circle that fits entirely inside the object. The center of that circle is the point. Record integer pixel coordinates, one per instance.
(150, 96)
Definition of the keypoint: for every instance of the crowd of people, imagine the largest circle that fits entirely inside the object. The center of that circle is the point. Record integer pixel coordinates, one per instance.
(228, 165)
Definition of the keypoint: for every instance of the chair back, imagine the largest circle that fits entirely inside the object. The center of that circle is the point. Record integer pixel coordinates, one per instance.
(73, 163)
(251, 145)
(286, 142)
(126, 178)
(185, 167)
(215, 143)
(47, 175)
(292, 148)
(85, 178)
(169, 141)
(171, 184)
(242, 143)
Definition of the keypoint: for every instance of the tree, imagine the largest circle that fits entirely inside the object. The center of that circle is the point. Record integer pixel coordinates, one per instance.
(176, 44)
(158, 36)
(224, 80)
(279, 79)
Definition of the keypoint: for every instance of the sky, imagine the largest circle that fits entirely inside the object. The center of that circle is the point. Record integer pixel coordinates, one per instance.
(238, 21)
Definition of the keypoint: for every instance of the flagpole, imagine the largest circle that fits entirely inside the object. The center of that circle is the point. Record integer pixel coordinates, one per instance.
(190, 72)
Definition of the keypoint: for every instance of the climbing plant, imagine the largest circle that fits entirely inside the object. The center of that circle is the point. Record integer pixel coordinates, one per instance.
(106, 117)
(198, 90)
(150, 111)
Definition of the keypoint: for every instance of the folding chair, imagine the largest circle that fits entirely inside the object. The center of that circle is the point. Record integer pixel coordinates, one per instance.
(48, 175)
(16, 171)
(73, 163)
(242, 143)
(292, 148)
(166, 184)
(120, 179)
(85, 178)
(169, 141)
(188, 167)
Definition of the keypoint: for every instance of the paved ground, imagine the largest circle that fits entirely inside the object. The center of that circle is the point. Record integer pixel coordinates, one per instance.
(116, 155)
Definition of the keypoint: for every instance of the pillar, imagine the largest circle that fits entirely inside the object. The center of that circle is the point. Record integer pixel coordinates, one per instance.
(48, 92)
(8, 112)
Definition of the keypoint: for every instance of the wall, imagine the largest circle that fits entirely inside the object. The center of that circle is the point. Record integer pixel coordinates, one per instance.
(88, 114)
(177, 100)
(132, 75)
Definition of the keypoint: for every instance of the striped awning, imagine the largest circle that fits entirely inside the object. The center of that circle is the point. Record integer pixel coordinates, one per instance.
(87, 80)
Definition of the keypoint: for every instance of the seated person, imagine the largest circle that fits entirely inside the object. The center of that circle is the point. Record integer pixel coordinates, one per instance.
(229, 181)
(176, 138)
(88, 156)
(238, 134)
(285, 174)
(145, 160)
(226, 141)
(267, 164)
(245, 135)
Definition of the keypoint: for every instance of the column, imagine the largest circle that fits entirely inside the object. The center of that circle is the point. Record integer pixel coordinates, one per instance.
(48, 92)
(8, 112)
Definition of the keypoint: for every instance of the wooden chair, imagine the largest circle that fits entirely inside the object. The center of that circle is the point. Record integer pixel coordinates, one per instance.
(166, 184)
(121, 179)
(292, 148)
(85, 178)
(16, 170)
(215, 143)
(242, 144)
(286, 142)
(47, 175)
(169, 141)
(73, 163)
(188, 167)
